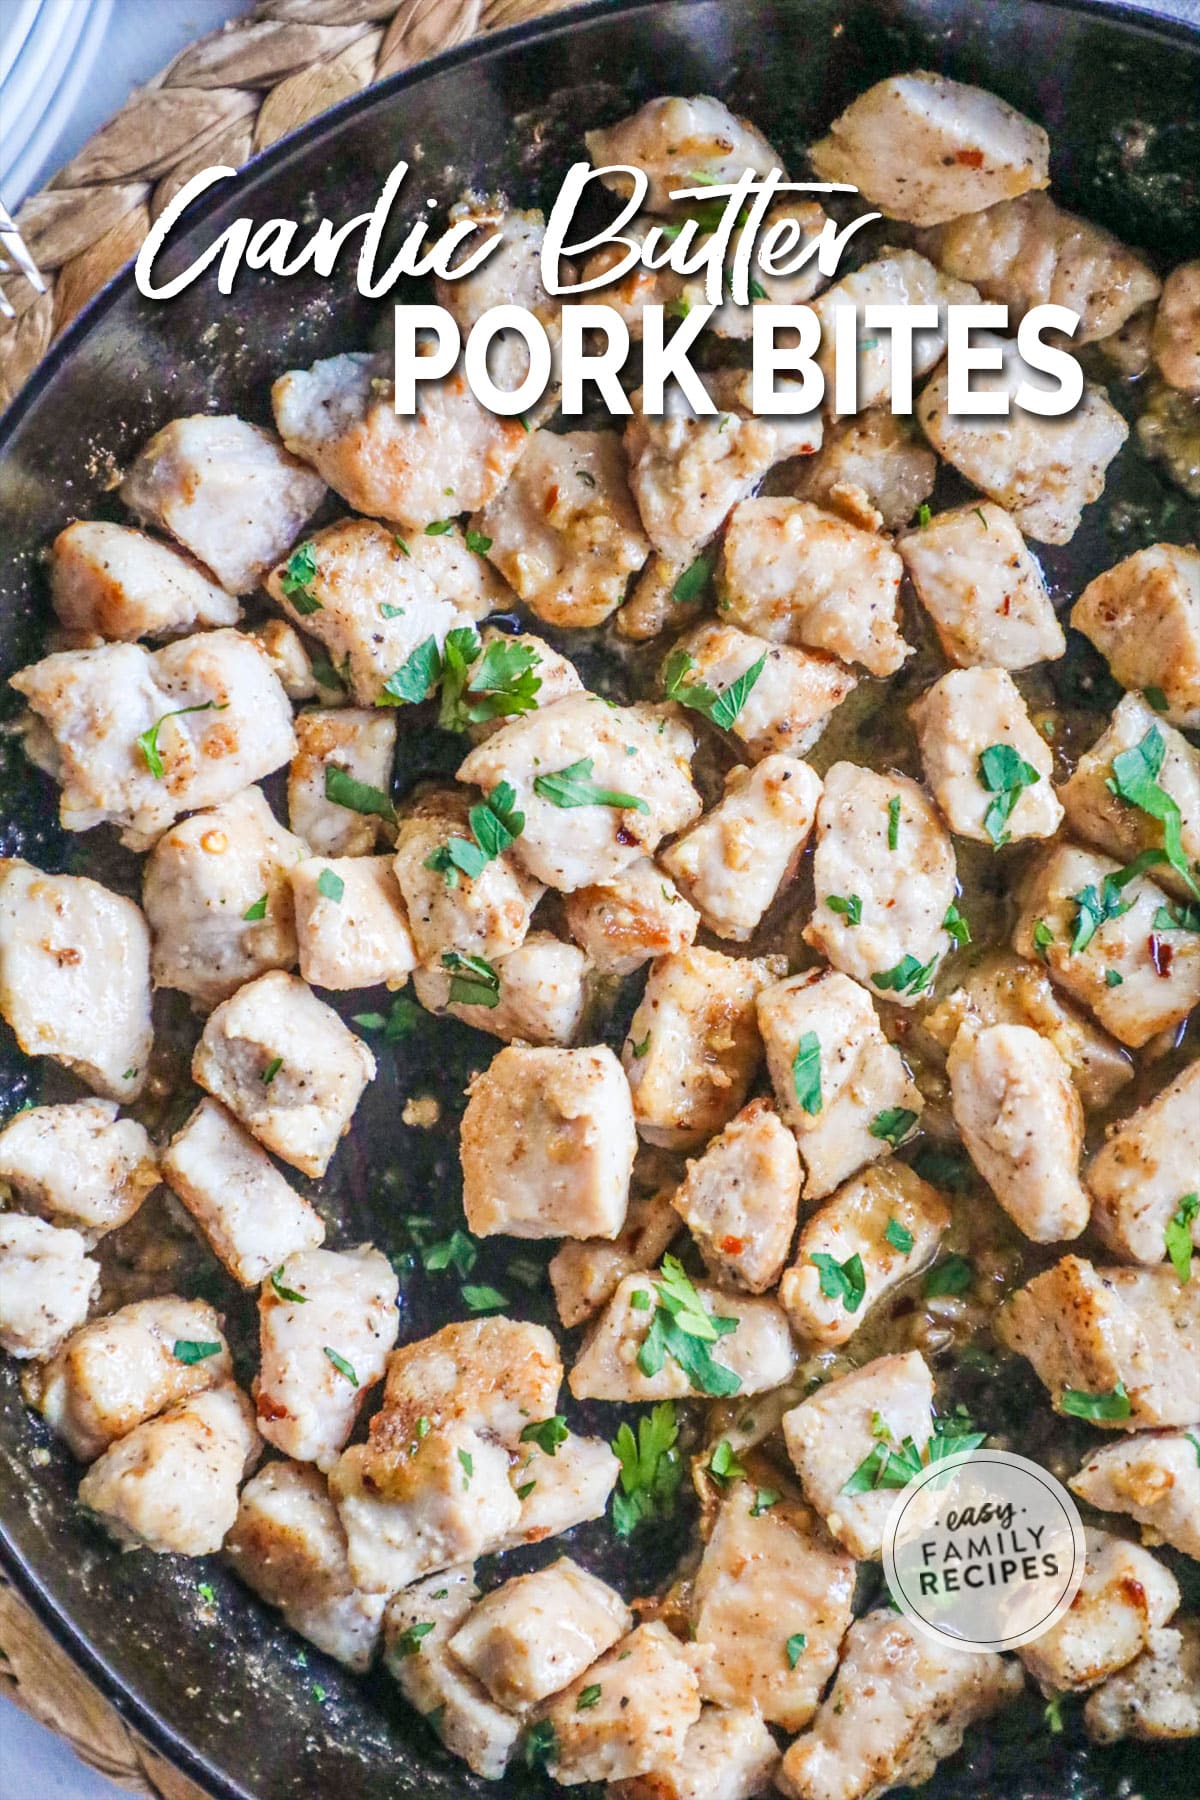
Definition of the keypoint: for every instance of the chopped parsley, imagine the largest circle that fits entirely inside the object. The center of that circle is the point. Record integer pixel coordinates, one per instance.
(893, 812)
(483, 1299)
(908, 976)
(943, 1168)
(358, 796)
(547, 1434)
(723, 1464)
(806, 1073)
(271, 1071)
(1043, 937)
(1134, 779)
(899, 1236)
(573, 786)
(1115, 1404)
(341, 1365)
(1176, 916)
(1177, 1235)
(893, 1124)
(206, 1592)
(893, 1465)
(193, 1350)
(844, 1281)
(683, 1329)
(640, 1048)
(651, 1469)
(408, 1641)
(416, 677)
(795, 1648)
(331, 886)
(955, 923)
(953, 1276)
(258, 911)
(286, 1293)
(299, 573)
(495, 824)
(692, 582)
(924, 514)
(440, 527)
(473, 980)
(720, 709)
(1005, 775)
(467, 1464)
(541, 1740)
(503, 682)
(148, 740)
(1155, 698)
(764, 1500)
(400, 1021)
(458, 1251)
(848, 906)
(588, 1696)
(478, 543)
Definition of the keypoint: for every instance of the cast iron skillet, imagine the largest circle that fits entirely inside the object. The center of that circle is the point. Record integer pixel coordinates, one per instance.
(221, 1688)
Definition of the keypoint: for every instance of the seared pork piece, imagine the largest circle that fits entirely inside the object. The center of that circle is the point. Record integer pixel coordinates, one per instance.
(1124, 1344)
(1150, 1162)
(1044, 470)
(1097, 814)
(797, 223)
(215, 889)
(728, 1754)
(555, 675)
(327, 1319)
(351, 924)
(831, 1434)
(286, 1066)
(872, 467)
(142, 736)
(756, 1356)
(895, 278)
(835, 1075)
(586, 1272)
(360, 743)
(120, 584)
(1176, 338)
(511, 276)
(1022, 1123)
(340, 416)
(848, 1254)
(1153, 1476)
(1155, 1696)
(648, 1701)
(985, 764)
(626, 922)
(418, 1626)
(47, 1281)
(1087, 926)
(558, 1491)
(172, 1485)
(767, 1576)
(980, 584)
(1005, 990)
(680, 143)
(900, 1705)
(75, 976)
(496, 1375)
(78, 1164)
(250, 1216)
(227, 491)
(287, 654)
(287, 1543)
(793, 696)
(450, 913)
(1028, 252)
(542, 995)
(371, 597)
(564, 532)
(739, 1199)
(531, 1637)
(547, 1144)
(693, 1045)
(639, 287)
(924, 149)
(687, 470)
(123, 1369)
(741, 856)
(880, 841)
(1126, 1594)
(794, 574)
(599, 786)
(652, 607)
(1143, 615)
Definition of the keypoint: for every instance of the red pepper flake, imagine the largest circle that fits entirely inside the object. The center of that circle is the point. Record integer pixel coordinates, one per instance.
(733, 1246)
(625, 836)
(551, 500)
(1162, 955)
(970, 159)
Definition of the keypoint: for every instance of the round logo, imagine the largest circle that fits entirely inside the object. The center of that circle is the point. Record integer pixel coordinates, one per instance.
(984, 1550)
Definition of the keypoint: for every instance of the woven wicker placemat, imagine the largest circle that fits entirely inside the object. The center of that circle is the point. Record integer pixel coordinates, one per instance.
(222, 99)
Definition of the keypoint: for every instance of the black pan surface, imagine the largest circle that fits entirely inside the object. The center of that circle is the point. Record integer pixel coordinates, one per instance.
(217, 1685)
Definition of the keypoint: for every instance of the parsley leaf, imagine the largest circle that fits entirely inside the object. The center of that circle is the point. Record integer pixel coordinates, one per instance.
(955, 923)
(588, 1696)
(692, 582)
(416, 677)
(147, 741)
(764, 1500)
(844, 1281)
(505, 682)
(795, 1647)
(721, 709)
(547, 1434)
(1003, 773)
(1134, 779)
(572, 786)
(908, 976)
(651, 1469)
(899, 1236)
(893, 812)
(806, 1073)
(330, 885)
(286, 1293)
(440, 527)
(495, 825)
(193, 1350)
(341, 1365)
(849, 906)
(403, 1017)
(483, 1299)
(300, 571)
(1043, 937)
(723, 1464)
(893, 1124)
(1094, 908)
(1178, 917)
(541, 1740)
(1177, 1235)
(359, 796)
(683, 1328)
(1115, 1404)
(477, 542)
(473, 980)
(258, 911)
(953, 1276)
(408, 1641)
(458, 1251)
(271, 1071)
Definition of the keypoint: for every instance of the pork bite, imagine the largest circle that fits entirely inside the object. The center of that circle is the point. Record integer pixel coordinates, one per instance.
(794, 574)
(301, 675)
(557, 1491)
(872, 467)
(1156, 1696)
(873, 1233)
(327, 1319)
(216, 894)
(351, 924)
(626, 922)
(792, 697)
(418, 1626)
(901, 1704)
(1126, 1594)
(564, 532)
(887, 1402)
(599, 787)
(740, 1198)
(1143, 615)
(75, 976)
(541, 998)
(1117, 1346)
(531, 1637)
(649, 1698)
(1044, 470)
(835, 1075)
(987, 766)
(452, 913)
(142, 736)
(250, 1216)
(1087, 925)
(982, 587)
(172, 1485)
(880, 842)
(340, 416)
(287, 1544)
(494, 1374)
(1152, 1476)
(79, 1164)
(586, 1272)
(47, 1281)
(547, 1144)
(1175, 341)
(1141, 1176)
(227, 491)
(124, 1368)
(924, 149)
(122, 585)
(355, 742)
(1136, 739)
(741, 856)
(728, 1754)
(693, 1045)
(680, 143)
(895, 278)
(768, 1577)
(286, 1066)
(1022, 1123)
